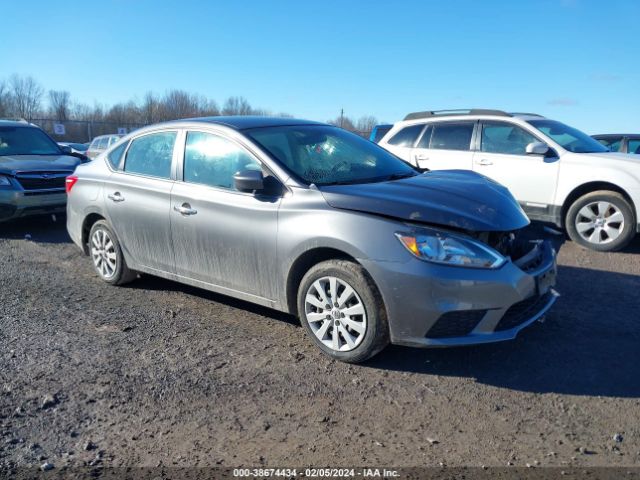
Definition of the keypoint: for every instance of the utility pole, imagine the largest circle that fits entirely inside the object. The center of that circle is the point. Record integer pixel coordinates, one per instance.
(341, 117)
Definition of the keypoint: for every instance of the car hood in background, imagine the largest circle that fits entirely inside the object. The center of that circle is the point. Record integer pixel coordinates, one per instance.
(455, 198)
(10, 164)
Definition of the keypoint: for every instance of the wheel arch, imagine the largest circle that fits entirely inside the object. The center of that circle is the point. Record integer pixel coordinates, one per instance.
(592, 187)
(301, 265)
(87, 224)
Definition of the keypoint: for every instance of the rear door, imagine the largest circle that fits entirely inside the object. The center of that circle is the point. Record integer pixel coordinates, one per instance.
(532, 179)
(445, 145)
(402, 142)
(222, 236)
(138, 200)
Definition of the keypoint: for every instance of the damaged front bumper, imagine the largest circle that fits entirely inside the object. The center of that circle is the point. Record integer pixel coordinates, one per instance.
(437, 305)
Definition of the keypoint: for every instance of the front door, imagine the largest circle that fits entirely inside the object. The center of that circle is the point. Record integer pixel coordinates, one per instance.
(532, 179)
(222, 236)
(138, 201)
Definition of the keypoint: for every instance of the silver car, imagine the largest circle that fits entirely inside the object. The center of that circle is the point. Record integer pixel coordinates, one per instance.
(101, 143)
(312, 220)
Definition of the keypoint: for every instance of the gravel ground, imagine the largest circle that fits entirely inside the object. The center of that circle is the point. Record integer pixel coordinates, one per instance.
(156, 373)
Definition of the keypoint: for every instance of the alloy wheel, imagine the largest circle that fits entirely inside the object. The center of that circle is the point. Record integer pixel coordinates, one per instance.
(599, 222)
(335, 314)
(103, 253)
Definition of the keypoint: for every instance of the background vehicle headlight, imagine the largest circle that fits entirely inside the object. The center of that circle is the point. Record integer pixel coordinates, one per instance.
(4, 181)
(449, 248)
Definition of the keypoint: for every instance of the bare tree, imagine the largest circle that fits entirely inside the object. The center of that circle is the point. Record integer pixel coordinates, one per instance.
(237, 106)
(179, 104)
(59, 104)
(5, 101)
(123, 114)
(344, 122)
(27, 94)
(365, 124)
(150, 108)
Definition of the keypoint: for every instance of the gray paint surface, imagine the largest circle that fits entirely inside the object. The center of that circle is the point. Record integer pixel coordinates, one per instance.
(245, 245)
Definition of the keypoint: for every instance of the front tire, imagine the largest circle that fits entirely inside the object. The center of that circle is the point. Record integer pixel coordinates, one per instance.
(106, 255)
(342, 311)
(603, 221)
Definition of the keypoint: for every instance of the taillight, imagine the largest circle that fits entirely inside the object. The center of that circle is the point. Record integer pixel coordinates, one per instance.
(70, 182)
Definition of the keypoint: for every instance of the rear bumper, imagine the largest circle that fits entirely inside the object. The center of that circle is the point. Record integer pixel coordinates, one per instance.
(432, 305)
(16, 203)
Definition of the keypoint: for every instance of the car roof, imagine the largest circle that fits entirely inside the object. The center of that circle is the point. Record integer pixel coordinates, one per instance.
(247, 122)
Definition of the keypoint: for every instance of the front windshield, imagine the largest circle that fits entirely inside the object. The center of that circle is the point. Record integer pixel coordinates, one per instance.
(568, 137)
(327, 155)
(26, 141)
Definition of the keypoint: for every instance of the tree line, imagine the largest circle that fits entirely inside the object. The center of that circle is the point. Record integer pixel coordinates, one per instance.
(24, 97)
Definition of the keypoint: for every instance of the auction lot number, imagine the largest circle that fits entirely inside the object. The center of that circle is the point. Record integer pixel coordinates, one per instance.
(314, 472)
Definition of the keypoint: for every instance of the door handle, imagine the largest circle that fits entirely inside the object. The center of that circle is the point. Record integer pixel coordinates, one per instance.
(185, 209)
(420, 157)
(484, 161)
(116, 197)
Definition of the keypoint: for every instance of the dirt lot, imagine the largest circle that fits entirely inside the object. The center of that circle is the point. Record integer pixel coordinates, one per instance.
(157, 373)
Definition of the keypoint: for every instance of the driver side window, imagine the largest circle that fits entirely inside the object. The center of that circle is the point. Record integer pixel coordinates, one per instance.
(213, 160)
(505, 138)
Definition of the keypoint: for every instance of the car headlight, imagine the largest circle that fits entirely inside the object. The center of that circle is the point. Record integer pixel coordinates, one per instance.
(4, 181)
(439, 246)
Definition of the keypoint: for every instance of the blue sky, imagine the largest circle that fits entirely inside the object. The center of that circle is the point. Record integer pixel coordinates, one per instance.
(573, 60)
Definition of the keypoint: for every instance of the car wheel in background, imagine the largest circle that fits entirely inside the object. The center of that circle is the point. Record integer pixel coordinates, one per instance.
(342, 311)
(106, 255)
(603, 221)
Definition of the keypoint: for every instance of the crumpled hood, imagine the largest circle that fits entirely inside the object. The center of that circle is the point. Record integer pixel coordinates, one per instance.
(10, 164)
(454, 198)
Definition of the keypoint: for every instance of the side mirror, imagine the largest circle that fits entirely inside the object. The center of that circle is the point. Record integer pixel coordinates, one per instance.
(537, 148)
(66, 149)
(248, 180)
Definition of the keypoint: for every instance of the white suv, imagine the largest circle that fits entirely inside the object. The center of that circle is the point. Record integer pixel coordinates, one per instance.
(557, 173)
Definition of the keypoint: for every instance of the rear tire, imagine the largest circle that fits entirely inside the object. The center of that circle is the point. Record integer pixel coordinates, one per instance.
(106, 255)
(342, 311)
(603, 221)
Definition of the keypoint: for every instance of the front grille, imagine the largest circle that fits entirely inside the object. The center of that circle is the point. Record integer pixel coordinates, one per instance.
(456, 324)
(42, 180)
(522, 311)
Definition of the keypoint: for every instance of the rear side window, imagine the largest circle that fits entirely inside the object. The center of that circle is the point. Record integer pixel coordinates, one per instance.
(612, 143)
(633, 145)
(406, 137)
(504, 138)
(103, 143)
(115, 155)
(426, 138)
(452, 136)
(151, 155)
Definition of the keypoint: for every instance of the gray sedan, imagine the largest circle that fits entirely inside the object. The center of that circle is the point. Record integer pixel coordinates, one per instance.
(310, 219)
